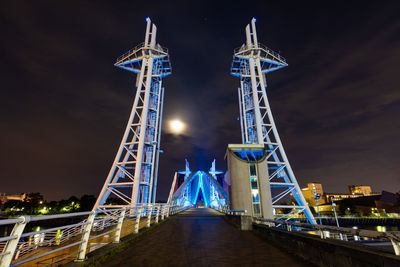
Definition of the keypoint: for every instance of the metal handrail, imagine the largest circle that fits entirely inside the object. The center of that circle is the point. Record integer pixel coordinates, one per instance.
(42, 218)
(344, 230)
(260, 47)
(325, 230)
(53, 229)
(236, 212)
(138, 47)
(11, 221)
(110, 219)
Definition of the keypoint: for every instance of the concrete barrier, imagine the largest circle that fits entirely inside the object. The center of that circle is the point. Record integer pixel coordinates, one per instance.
(241, 221)
(327, 252)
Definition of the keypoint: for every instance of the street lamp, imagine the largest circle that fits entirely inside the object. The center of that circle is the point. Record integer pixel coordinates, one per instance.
(336, 218)
(316, 197)
(334, 211)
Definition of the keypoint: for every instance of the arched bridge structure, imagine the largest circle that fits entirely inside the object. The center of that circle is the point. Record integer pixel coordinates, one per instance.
(200, 189)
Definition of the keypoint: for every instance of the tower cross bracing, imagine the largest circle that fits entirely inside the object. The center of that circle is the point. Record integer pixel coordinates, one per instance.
(251, 62)
(133, 176)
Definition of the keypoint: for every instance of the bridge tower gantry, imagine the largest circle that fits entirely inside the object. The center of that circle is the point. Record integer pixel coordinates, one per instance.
(133, 176)
(251, 62)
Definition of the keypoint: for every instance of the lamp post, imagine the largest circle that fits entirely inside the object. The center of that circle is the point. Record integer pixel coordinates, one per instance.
(336, 218)
(316, 197)
(334, 211)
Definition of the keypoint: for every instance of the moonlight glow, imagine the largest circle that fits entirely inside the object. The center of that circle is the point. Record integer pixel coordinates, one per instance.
(176, 126)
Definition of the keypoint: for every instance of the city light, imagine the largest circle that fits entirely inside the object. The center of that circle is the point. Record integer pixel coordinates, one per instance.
(44, 210)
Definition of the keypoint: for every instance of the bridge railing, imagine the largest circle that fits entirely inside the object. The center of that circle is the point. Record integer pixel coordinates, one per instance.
(235, 212)
(334, 232)
(67, 242)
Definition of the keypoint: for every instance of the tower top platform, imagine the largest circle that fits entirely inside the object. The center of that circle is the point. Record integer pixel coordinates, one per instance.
(269, 60)
(133, 59)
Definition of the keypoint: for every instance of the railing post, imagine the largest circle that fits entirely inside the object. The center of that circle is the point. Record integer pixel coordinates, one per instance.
(138, 214)
(11, 245)
(327, 234)
(162, 212)
(103, 222)
(341, 236)
(396, 246)
(158, 212)
(85, 237)
(149, 211)
(321, 233)
(167, 215)
(119, 226)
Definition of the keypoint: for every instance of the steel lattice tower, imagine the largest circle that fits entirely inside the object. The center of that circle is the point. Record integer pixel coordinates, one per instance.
(133, 175)
(251, 62)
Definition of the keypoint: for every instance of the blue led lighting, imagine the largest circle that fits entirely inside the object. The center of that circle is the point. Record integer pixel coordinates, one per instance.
(250, 155)
(212, 193)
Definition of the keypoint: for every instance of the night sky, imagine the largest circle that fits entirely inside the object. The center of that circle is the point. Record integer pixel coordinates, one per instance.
(64, 106)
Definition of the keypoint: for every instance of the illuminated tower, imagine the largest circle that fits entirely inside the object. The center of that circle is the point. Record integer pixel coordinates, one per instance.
(133, 175)
(251, 62)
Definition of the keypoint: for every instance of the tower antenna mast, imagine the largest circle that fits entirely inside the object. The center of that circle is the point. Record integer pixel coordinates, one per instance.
(133, 176)
(251, 62)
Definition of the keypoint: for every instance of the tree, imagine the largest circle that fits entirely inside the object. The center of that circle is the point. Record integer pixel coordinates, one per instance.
(13, 207)
(347, 206)
(87, 202)
(35, 198)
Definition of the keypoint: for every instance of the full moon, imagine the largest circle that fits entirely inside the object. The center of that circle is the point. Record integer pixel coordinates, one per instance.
(176, 126)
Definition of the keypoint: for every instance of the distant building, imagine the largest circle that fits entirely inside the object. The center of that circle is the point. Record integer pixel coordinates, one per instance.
(325, 199)
(19, 197)
(310, 191)
(364, 190)
(339, 196)
(375, 203)
(355, 191)
(360, 197)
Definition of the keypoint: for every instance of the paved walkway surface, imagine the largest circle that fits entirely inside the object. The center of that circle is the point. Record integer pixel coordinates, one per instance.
(201, 237)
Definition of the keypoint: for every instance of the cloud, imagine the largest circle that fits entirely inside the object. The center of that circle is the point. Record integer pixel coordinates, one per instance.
(65, 106)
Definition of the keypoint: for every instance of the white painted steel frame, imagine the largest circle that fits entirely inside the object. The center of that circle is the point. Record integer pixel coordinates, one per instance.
(97, 224)
(133, 176)
(250, 63)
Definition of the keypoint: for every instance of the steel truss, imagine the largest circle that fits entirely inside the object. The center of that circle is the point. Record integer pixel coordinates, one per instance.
(187, 194)
(250, 63)
(133, 175)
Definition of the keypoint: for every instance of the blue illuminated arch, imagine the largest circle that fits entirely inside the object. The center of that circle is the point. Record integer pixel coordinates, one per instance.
(212, 193)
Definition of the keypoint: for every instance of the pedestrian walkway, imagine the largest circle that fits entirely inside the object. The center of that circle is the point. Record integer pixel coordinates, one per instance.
(201, 237)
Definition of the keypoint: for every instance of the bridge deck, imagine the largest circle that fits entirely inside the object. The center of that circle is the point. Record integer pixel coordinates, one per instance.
(201, 237)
